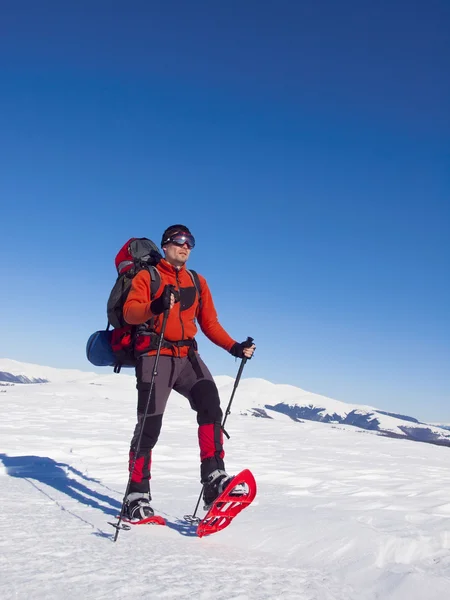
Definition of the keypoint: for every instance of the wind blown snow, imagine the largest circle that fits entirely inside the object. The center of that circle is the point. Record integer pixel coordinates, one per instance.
(341, 513)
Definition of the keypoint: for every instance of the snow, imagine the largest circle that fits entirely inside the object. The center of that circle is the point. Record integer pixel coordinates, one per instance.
(253, 393)
(341, 513)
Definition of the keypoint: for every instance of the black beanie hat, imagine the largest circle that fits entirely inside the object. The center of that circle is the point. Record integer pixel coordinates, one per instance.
(171, 231)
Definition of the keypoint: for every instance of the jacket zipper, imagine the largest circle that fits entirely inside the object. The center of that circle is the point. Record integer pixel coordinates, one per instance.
(179, 309)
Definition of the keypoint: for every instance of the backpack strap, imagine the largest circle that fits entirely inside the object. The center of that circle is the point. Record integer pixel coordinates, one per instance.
(156, 281)
(196, 281)
(155, 278)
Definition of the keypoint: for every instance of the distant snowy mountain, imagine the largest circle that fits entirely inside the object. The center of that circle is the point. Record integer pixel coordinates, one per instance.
(10, 378)
(13, 371)
(442, 425)
(258, 398)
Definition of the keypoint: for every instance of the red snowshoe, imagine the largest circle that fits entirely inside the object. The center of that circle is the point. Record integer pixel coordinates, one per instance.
(227, 506)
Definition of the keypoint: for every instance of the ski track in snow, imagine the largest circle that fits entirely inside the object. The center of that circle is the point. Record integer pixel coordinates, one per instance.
(340, 514)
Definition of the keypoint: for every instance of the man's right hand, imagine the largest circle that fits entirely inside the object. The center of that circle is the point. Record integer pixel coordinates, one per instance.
(243, 349)
(166, 301)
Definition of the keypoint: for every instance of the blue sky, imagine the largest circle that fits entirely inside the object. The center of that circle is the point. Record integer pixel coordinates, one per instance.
(306, 145)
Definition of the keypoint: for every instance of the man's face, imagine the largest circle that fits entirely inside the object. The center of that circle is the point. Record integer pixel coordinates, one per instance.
(177, 255)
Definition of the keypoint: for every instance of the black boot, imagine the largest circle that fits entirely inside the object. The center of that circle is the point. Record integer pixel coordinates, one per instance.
(137, 506)
(214, 485)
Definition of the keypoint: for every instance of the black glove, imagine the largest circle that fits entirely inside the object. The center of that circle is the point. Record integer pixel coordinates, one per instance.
(237, 349)
(162, 303)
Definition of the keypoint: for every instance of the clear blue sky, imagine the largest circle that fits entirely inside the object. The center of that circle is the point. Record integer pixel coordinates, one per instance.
(306, 145)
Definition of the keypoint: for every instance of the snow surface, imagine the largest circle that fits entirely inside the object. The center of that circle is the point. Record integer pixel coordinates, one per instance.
(341, 514)
(264, 396)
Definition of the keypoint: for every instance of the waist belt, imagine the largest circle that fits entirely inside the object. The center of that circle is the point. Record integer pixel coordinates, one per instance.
(153, 343)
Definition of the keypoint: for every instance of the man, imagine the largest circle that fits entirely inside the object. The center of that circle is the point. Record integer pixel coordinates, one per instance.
(180, 367)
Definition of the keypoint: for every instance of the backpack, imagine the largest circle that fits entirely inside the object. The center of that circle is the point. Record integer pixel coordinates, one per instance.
(116, 347)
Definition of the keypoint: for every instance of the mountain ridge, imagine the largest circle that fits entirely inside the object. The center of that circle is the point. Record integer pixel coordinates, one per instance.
(255, 397)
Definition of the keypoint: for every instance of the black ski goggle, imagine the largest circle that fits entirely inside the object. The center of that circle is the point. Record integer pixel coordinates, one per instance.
(179, 239)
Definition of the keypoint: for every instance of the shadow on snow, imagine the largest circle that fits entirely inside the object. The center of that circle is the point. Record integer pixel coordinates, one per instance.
(55, 474)
(182, 527)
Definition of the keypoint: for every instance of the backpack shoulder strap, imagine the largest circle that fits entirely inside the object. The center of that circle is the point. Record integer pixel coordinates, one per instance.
(196, 281)
(156, 281)
(155, 278)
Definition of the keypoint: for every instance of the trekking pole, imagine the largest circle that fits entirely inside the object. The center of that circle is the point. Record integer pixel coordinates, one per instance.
(192, 518)
(249, 341)
(118, 525)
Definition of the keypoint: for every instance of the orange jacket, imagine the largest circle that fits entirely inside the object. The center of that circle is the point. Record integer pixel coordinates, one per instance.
(181, 323)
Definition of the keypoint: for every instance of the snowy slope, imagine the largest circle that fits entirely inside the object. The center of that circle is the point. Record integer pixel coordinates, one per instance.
(31, 373)
(340, 514)
(262, 398)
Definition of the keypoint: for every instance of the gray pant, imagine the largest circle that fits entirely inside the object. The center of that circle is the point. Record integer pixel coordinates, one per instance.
(191, 379)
